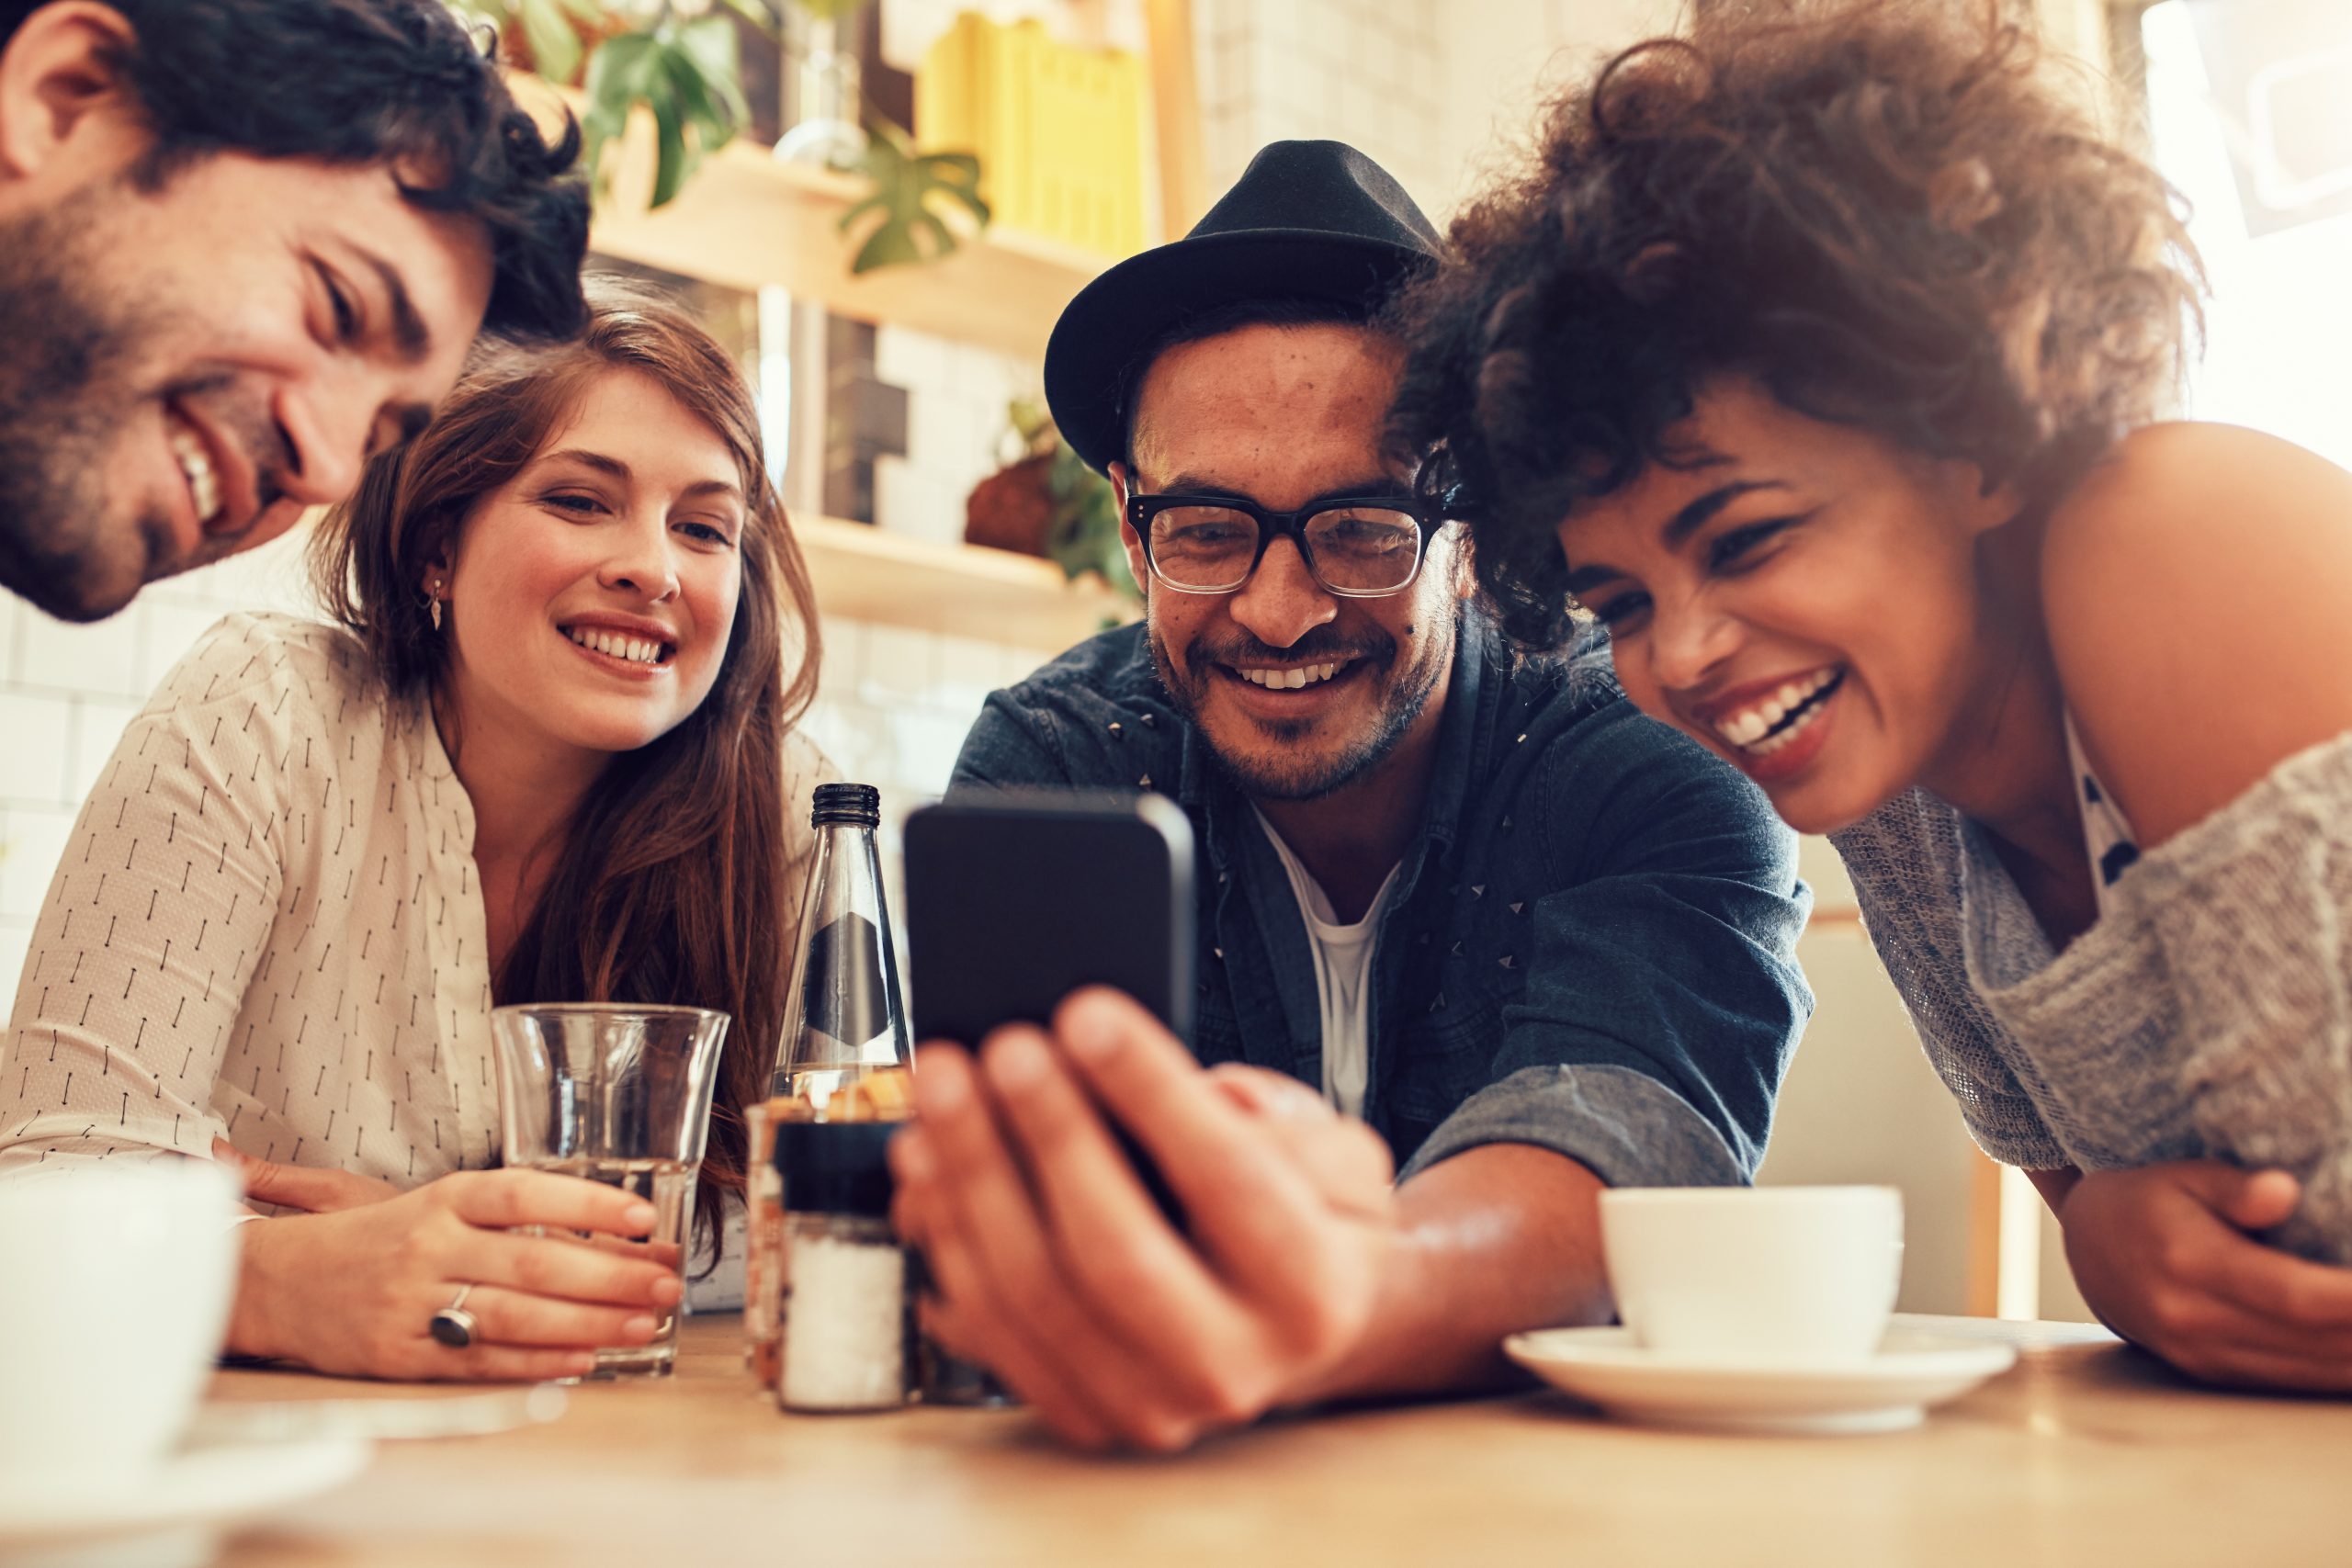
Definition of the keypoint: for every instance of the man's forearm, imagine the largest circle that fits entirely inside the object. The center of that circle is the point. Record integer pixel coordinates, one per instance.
(1497, 1240)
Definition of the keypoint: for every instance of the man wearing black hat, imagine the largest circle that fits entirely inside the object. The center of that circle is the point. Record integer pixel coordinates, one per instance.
(1523, 942)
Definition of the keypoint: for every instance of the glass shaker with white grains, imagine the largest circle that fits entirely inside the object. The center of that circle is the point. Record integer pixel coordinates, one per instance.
(844, 1325)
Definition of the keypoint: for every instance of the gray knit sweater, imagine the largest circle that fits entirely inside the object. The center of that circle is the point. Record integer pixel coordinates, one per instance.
(2207, 1012)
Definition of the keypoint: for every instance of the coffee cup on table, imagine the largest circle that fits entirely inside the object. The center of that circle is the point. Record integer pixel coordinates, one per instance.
(1798, 1273)
(116, 1279)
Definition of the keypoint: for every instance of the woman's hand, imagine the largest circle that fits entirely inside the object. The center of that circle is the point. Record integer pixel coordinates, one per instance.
(312, 1189)
(352, 1285)
(2162, 1255)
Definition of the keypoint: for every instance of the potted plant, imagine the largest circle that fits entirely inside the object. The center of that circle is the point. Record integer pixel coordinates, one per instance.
(680, 60)
(1048, 503)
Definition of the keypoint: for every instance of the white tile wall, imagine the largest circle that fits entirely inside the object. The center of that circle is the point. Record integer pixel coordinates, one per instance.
(959, 428)
(1366, 71)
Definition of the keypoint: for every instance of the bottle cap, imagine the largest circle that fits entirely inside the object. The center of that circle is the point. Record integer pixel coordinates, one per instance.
(835, 1167)
(860, 806)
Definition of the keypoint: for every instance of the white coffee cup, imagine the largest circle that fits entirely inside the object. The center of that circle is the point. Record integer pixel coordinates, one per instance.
(1778, 1272)
(116, 1279)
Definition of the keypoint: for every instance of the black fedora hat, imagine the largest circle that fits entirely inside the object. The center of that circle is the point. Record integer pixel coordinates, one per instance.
(1307, 220)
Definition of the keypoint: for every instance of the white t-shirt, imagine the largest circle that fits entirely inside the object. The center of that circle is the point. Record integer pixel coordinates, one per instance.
(1342, 976)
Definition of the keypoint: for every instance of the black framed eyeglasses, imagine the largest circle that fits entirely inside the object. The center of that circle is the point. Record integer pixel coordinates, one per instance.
(1355, 548)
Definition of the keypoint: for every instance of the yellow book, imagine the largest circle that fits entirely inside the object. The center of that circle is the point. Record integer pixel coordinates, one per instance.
(1058, 130)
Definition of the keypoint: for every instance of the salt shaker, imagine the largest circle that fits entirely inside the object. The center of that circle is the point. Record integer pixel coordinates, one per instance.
(844, 1326)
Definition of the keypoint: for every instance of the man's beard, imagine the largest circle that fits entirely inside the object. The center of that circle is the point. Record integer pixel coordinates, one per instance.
(1280, 774)
(65, 396)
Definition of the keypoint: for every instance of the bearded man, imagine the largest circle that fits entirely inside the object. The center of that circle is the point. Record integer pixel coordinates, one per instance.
(1464, 915)
(243, 247)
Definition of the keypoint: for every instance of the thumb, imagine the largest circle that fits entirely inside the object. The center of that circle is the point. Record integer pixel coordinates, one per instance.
(2263, 1199)
(2250, 1200)
(311, 1191)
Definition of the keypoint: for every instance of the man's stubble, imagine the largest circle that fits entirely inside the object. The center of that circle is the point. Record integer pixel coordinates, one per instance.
(65, 374)
(1276, 776)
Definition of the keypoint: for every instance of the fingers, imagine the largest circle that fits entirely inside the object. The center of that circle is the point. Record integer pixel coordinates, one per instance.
(2247, 1366)
(503, 1199)
(311, 1191)
(2286, 1299)
(961, 1312)
(1345, 1161)
(573, 1271)
(2297, 1298)
(500, 1363)
(2250, 1200)
(1107, 1234)
(505, 1317)
(1263, 1092)
(2215, 1339)
(669, 1255)
(1251, 1210)
(2263, 1199)
(985, 1254)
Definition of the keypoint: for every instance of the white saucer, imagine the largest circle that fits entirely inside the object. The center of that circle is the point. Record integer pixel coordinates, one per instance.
(210, 1485)
(1887, 1392)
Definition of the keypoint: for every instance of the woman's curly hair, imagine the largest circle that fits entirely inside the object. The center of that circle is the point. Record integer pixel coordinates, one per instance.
(1884, 213)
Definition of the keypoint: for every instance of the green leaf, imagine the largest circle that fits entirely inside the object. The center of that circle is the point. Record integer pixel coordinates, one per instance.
(616, 75)
(672, 161)
(708, 47)
(555, 48)
(907, 187)
(1084, 535)
(830, 10)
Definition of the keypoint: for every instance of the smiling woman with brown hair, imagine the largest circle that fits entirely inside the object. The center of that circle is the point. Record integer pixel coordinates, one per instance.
(544, 755)
(1819, 358)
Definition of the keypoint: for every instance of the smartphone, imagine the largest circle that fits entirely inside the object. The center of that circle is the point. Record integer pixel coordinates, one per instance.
(1016, 900)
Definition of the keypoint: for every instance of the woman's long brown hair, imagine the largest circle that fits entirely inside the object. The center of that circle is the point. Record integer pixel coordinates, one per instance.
(672, 882)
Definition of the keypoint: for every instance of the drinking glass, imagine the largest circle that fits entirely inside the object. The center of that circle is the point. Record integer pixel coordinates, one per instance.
(619, 1095)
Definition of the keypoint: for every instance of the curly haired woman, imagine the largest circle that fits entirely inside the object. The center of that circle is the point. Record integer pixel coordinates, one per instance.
(1818, 358)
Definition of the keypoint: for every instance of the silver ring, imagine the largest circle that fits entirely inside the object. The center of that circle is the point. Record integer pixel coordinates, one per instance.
(453, 1325)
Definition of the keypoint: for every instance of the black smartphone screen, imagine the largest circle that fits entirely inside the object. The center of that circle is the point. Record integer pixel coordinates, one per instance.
(1015, 900)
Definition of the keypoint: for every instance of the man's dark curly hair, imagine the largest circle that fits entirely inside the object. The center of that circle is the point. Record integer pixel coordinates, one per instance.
(1886, 214)
(396, 82)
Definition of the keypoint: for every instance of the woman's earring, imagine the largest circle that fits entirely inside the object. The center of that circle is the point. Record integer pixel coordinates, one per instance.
(435, 605)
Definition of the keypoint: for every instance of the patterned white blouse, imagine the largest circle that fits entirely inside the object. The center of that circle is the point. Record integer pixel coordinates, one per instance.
(267, 927)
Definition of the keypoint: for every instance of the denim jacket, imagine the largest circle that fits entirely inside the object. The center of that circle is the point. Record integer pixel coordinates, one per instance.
(1590, 947)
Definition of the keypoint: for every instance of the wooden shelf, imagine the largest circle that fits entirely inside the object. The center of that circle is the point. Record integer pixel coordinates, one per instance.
(745, 221)
(864, 573)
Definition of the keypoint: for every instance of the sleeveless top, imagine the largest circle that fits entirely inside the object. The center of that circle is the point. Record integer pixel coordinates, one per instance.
(2207, 1013)
(2112, 846)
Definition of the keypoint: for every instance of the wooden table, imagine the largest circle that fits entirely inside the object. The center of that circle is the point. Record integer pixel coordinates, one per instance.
(2087, 1454)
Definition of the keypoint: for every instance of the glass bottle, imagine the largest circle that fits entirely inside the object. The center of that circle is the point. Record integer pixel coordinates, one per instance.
(843, 1019)
(844, 1052)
